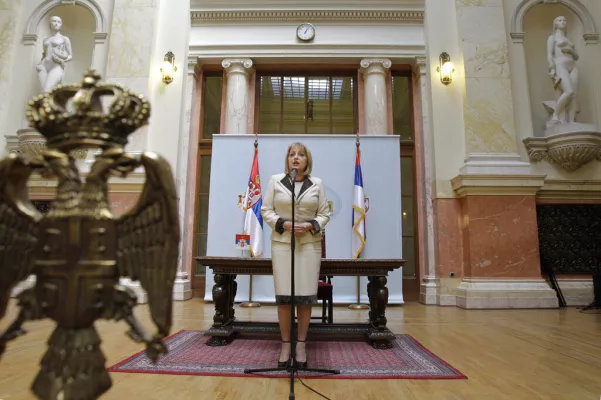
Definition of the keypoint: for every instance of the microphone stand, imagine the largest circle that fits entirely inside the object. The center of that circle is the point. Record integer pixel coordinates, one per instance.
(291, 365)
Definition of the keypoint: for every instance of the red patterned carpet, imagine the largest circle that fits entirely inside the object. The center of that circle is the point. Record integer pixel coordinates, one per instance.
(188, 355)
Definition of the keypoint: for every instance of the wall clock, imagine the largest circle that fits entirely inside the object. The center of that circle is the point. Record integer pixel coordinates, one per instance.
(305, 32)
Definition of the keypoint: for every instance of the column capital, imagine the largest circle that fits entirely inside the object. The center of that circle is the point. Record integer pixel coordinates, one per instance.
(237, 65)
(195, 68)
(375, 65)
(419, 65)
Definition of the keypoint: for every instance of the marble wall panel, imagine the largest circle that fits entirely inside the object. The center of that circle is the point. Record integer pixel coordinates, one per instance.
(500, 237)
(488, 108)
(130, 48)
(449, 245)
(122, 202)
(8, 31)
(130, 51)
(489, 124)
(484, 41)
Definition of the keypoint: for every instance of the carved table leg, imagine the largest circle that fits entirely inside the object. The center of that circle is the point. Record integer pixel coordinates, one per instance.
(379, 334)
(371, 298)
(233, 296)
(220, 332)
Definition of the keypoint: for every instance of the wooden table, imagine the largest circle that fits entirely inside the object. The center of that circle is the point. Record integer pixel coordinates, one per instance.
(226, 326)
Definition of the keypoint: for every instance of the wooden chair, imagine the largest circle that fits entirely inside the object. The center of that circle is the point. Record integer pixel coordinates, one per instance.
(325, 293)
(325, 290)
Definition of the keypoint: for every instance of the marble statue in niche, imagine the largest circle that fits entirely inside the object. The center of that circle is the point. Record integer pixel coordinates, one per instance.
(57, 51)
(566, 143)
(563, 71)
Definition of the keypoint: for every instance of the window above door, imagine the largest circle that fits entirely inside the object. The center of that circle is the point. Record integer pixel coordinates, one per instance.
(307, 104)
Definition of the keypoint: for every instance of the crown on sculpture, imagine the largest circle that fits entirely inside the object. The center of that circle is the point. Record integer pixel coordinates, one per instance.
(72, 116)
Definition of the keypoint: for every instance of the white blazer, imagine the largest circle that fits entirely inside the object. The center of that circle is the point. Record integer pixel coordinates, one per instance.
(311, 205)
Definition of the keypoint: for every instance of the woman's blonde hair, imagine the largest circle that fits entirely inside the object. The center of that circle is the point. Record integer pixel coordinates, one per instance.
(304, 148)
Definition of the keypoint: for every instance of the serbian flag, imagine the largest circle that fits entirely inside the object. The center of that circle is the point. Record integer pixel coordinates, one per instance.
(359, 210)
(253, 221)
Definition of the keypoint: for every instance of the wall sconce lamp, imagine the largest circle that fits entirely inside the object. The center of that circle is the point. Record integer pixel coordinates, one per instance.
(168, 69)
(446, 68)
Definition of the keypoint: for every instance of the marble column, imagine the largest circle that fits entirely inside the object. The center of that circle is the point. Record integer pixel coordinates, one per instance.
(375, 95)
(171, 104)
(133, 32)
(496, 188)
(237, 100)
(430, 280)
(9, 16)
(490, 136)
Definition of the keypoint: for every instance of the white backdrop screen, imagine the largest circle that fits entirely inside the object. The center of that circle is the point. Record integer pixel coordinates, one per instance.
(333, 162)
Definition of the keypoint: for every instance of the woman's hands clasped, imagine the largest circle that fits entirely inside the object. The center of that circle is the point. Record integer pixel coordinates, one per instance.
(299, 229)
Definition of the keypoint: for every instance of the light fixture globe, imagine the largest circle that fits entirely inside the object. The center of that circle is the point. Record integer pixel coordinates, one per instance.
(168, 69)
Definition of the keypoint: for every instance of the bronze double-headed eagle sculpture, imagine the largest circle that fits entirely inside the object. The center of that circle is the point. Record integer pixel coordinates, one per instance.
(79, 249)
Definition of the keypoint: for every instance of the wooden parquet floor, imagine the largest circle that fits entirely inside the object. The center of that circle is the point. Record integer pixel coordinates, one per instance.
(506, 354)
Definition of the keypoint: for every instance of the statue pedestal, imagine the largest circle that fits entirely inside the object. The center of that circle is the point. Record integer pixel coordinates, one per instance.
(570, 145)
(558, 128)
(32, 144)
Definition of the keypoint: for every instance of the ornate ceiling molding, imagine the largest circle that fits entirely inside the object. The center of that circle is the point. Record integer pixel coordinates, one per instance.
(204, 16)
(214, 54)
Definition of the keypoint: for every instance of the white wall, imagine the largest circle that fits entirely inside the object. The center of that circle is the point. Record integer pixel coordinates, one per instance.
(167, 122)
(388, 40)
(271, 36)
(446, 101)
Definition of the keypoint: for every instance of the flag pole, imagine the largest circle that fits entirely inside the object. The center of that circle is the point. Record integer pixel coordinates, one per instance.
(250, 303)
(358, 305)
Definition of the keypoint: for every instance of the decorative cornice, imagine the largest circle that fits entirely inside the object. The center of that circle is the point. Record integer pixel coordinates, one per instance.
(571, 189)
(29, 39)
(497, 185)
(100, 37)
(214, 54)
(305, 15)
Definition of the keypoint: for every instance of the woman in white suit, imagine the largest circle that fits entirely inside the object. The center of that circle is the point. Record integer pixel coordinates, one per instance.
(311, 216)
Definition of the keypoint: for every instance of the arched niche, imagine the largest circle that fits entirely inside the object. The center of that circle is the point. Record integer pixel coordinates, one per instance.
(30, 36)
(78, 25)
(538, 23)
(589, 33)
(86, 25)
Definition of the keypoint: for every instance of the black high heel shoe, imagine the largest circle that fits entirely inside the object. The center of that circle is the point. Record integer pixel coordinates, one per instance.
(303, 364)
(283, 364)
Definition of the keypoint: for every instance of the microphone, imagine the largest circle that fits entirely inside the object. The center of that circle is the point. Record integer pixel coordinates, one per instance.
(293, 173)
